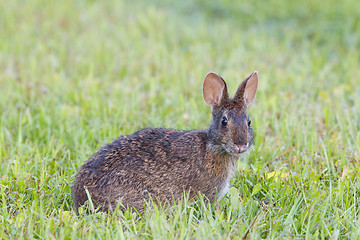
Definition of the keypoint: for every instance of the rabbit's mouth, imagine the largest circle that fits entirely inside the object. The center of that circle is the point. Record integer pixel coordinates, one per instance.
(237, 149)
(241, 148)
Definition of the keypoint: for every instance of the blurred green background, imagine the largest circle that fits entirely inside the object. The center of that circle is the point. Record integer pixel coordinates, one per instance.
(74, 75)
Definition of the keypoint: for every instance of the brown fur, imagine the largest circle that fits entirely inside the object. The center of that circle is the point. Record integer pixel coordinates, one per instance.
(166, 163)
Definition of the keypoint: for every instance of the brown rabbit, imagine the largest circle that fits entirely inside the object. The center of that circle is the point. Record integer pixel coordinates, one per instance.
(165, 163)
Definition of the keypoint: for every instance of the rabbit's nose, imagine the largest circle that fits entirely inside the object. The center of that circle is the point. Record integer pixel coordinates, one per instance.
(242, 147)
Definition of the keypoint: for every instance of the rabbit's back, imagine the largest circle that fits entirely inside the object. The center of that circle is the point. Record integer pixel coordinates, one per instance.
(162, 163)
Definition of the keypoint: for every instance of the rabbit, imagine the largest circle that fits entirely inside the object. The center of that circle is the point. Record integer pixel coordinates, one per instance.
(164, 164)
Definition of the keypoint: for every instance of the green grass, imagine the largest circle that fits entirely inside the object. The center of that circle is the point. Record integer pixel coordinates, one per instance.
(76, 74)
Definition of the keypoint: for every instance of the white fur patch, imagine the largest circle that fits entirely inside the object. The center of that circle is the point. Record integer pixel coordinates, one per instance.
(226, 185)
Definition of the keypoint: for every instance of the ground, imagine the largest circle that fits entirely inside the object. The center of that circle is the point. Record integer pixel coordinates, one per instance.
(74, 75)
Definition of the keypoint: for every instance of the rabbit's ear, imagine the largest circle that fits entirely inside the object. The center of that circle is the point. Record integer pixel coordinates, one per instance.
(247, 89)
(214, 90)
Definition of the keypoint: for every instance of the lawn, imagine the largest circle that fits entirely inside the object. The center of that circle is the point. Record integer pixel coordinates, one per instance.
(74, 75)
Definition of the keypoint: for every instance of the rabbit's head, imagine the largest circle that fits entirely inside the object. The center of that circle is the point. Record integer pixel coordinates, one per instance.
(230, 130)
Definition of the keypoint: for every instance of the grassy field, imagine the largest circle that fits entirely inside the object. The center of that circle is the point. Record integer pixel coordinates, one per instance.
(74, 75)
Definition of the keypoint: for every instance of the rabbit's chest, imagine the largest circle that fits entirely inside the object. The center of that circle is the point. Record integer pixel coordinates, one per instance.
(225, 183)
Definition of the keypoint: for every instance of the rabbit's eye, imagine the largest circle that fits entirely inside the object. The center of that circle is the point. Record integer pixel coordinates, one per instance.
(249, 122)
(224, 121)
